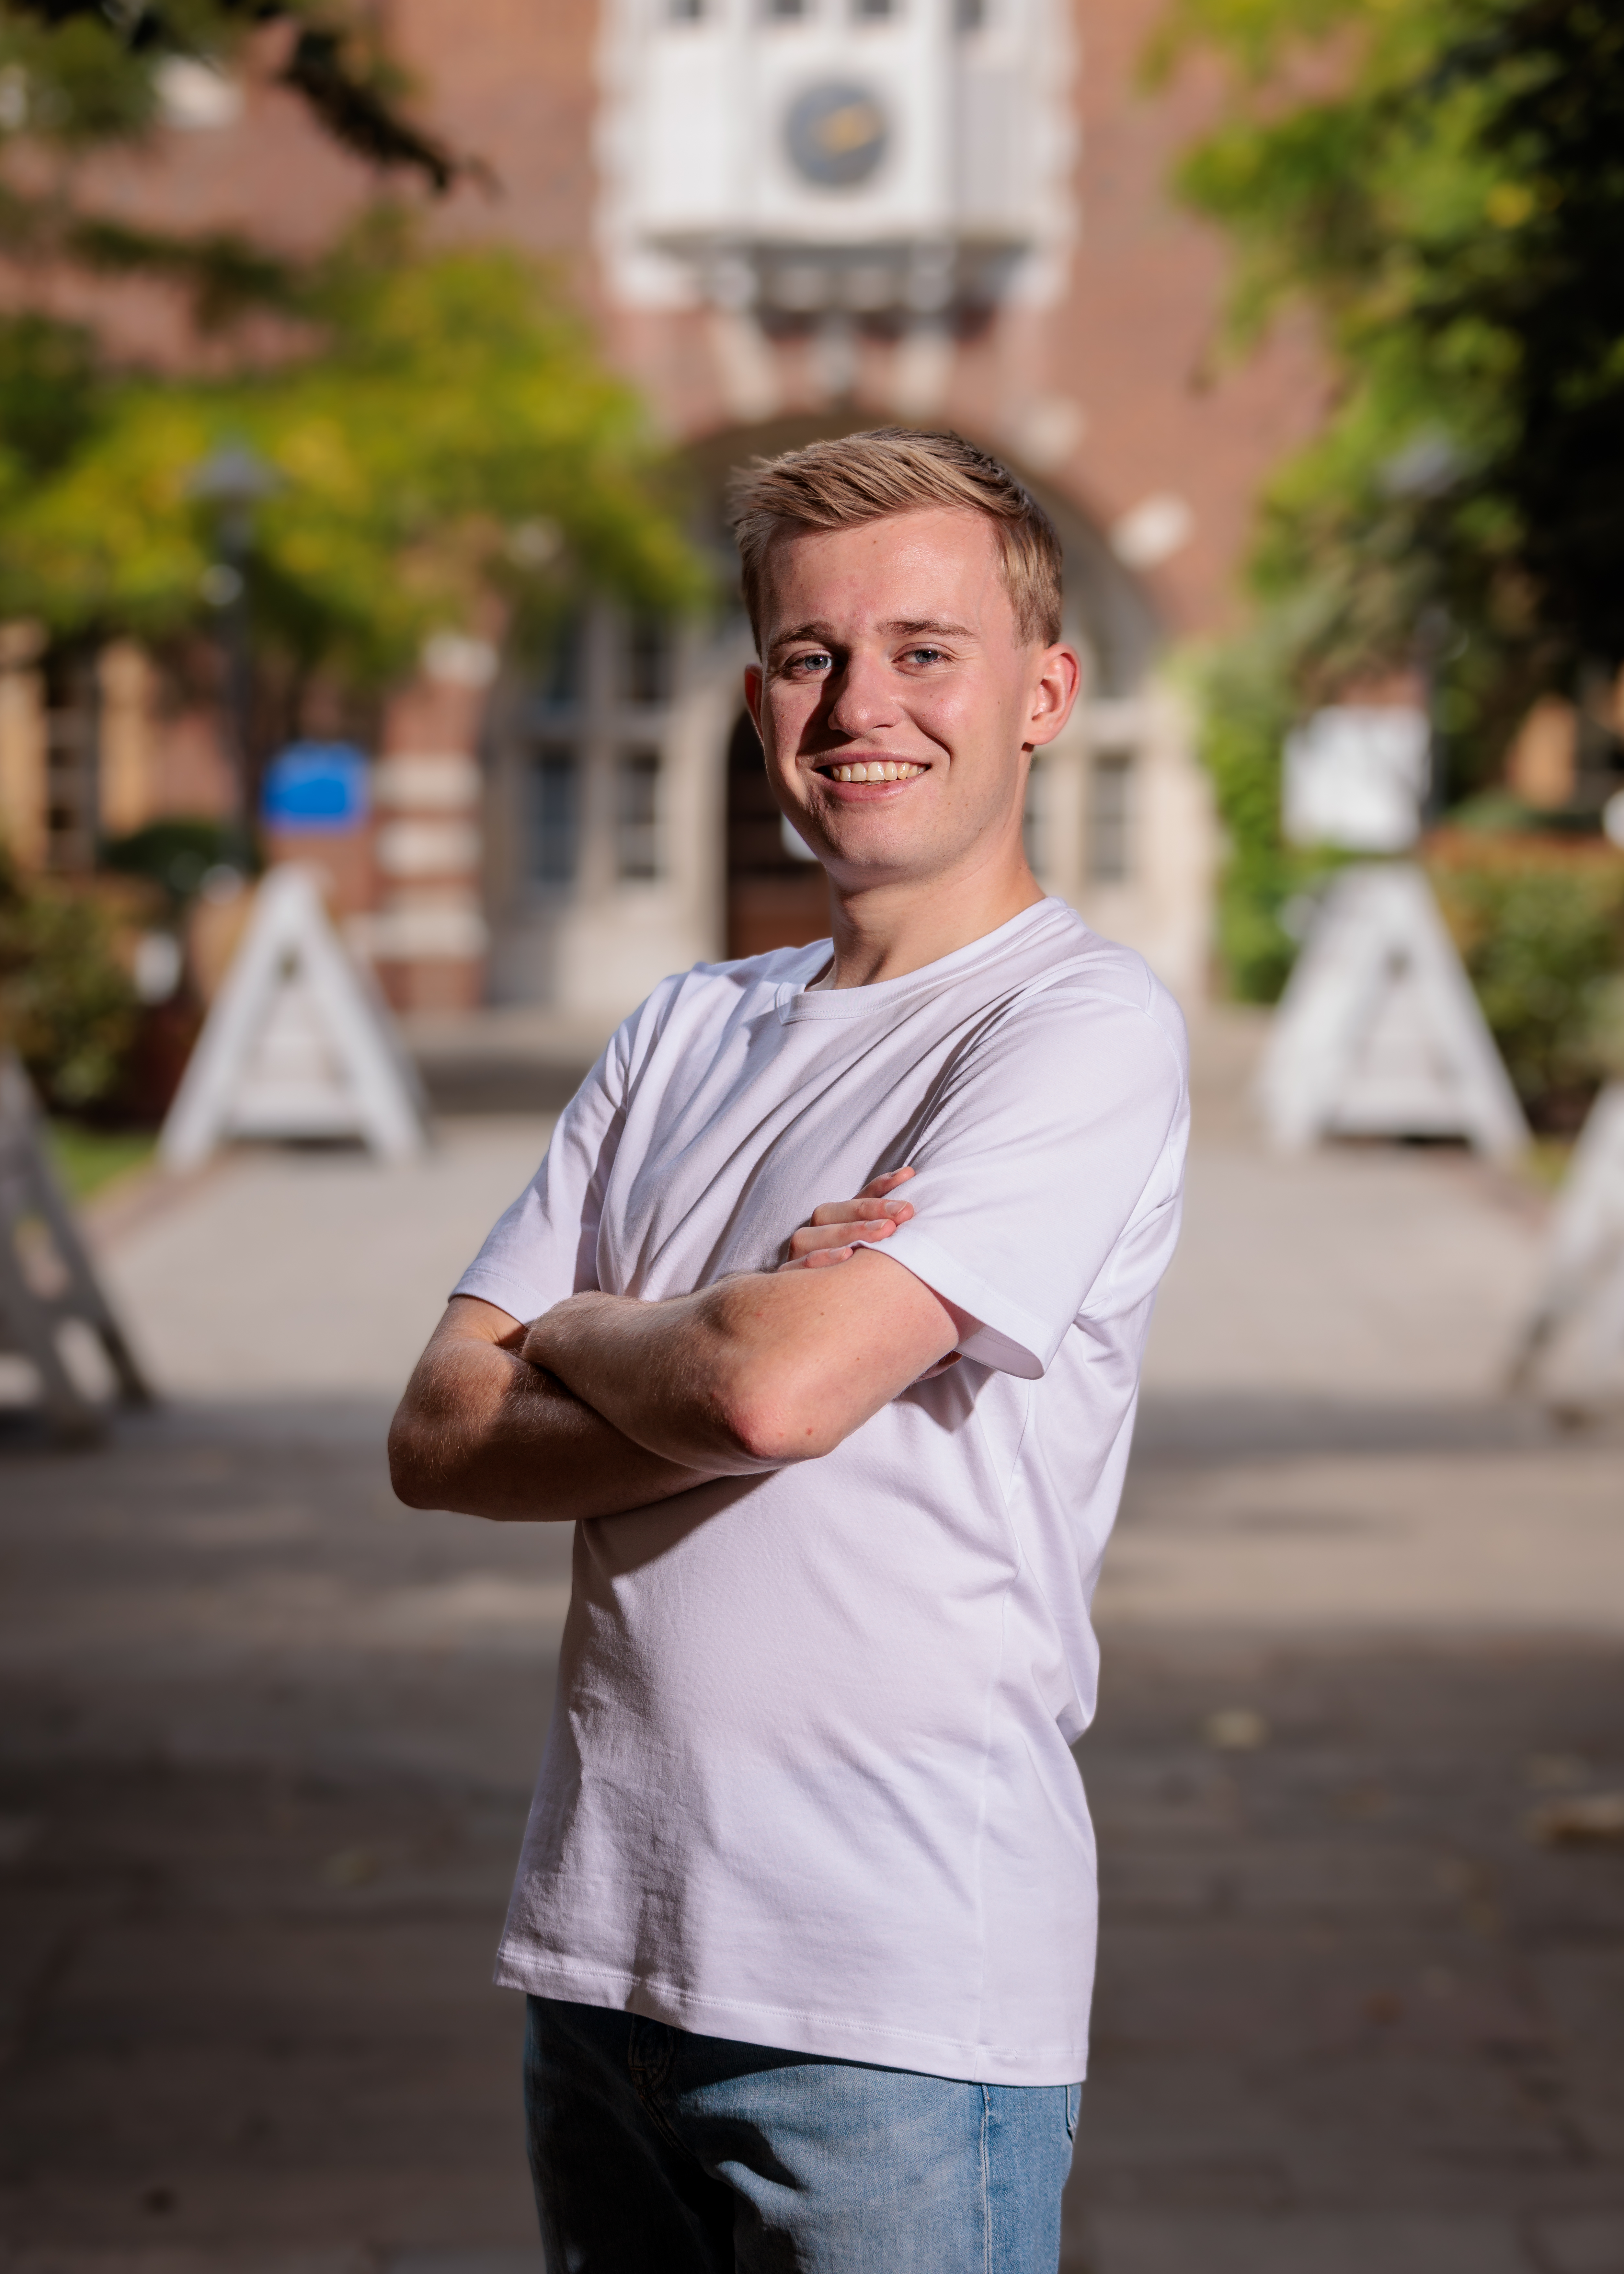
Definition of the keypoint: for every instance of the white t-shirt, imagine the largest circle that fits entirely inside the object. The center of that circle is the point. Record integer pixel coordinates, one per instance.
(808, 1782)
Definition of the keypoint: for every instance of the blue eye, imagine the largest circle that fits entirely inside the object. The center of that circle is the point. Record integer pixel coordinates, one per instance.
(816, 660)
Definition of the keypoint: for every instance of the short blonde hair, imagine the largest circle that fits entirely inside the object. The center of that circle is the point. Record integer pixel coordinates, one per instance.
(860, 477)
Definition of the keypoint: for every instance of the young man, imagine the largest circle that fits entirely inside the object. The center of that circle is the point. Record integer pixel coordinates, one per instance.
(806, 1910)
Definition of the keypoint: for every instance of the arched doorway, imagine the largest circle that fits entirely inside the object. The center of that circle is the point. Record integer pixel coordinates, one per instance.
(632, 831)
(776, 897)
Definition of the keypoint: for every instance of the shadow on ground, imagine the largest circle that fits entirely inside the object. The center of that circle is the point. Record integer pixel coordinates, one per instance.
(1351, 2012)
(267, 1742)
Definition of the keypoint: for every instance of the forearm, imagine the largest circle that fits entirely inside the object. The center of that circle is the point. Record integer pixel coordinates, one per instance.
(758, 1370)
(662, 1374)
(482, 1432)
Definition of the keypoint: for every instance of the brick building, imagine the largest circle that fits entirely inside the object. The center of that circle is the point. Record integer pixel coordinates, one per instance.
(786, 218)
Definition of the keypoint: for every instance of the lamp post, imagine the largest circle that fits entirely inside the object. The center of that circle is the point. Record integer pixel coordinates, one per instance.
(233, 480)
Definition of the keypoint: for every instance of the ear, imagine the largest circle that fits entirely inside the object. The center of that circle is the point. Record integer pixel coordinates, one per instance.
(1054, 691)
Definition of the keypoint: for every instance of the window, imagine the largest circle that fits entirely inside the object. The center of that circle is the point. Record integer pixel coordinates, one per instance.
(636, 831)
(648, 660)
(685, 11)
(72, 772)
(871, 10)
(562, 673)
(554, 814)
(585, 756)
(969, 15)
(1109, 800)
(784, 11)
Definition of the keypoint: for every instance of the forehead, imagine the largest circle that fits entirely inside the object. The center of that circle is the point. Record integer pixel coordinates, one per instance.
(903, 568)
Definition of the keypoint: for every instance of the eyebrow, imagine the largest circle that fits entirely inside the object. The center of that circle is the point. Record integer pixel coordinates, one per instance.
(909, 625)
(899, 627)
(801, 632)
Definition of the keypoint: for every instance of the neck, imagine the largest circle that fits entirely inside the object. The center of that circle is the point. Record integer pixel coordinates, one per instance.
(884, 932)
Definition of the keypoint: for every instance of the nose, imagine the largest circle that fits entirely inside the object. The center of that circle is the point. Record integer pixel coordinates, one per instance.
(862, 699)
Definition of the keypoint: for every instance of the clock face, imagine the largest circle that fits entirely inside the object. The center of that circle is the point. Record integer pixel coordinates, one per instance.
(836, 134)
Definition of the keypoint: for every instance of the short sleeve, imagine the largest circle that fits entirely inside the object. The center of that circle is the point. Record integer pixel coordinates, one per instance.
(1049, 1171)
(544, 1247)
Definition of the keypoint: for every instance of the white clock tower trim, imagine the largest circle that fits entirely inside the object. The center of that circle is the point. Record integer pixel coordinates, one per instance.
(795, 161)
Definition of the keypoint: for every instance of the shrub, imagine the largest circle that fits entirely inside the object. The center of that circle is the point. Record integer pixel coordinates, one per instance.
(67, 1006)
(1247, 706)
(1540, 924)
(177, 853)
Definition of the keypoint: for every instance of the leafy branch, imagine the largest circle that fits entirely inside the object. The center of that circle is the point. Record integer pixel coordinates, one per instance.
(1442, 183)
(352, 89)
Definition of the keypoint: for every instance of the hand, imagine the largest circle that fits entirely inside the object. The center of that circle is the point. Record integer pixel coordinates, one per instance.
(547, 1340)
(828, 1238)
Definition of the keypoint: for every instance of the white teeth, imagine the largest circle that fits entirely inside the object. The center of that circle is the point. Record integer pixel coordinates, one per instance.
(882, 770)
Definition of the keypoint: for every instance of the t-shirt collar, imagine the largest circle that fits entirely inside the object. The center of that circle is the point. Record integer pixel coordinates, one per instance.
(797, 999)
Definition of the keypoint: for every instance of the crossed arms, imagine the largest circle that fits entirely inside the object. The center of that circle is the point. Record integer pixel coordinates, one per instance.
(605, 1403)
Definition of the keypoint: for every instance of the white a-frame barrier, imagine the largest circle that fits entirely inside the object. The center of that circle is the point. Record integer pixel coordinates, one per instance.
(45, 1276)
(1378, 1033)
(297, 1042)
(1582, 1303)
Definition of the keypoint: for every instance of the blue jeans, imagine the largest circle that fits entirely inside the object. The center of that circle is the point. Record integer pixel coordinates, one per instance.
(656, 2151)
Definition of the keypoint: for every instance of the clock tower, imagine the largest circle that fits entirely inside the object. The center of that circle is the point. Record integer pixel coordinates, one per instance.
(903, 163)
(812, 216)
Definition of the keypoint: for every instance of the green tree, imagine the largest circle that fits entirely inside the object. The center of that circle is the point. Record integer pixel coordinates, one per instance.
(1442, 182)
(447, 438)
(77, 75)
(445, 443)
(442, 429)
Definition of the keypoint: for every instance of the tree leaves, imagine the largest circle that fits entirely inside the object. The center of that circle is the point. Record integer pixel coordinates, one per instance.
(421, 410)
(79, 75)
(92, 62)
(358, 104)
(1442, 182)
(446, 403)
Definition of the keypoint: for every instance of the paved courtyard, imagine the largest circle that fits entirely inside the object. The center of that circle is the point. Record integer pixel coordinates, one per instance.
(266, 1738)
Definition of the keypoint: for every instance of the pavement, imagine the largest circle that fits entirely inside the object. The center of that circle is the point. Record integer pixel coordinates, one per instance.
(266, 1740)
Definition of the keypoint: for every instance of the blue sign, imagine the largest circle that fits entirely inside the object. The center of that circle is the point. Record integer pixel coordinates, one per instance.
(315, 787)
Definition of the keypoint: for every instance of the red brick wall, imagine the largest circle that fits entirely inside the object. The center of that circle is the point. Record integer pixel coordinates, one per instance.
(1137, 339)
(1135, 342)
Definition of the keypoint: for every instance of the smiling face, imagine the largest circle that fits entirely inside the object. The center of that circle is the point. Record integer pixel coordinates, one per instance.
(897, 702)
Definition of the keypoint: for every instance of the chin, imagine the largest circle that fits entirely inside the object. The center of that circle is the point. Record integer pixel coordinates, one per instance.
(892, 859)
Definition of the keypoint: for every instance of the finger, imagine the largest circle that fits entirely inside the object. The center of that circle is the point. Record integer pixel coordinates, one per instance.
(862, 1210)
(818, 1258)
(812, 1237)
(881, 1186)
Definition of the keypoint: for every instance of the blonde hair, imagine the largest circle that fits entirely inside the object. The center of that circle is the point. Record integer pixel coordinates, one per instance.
(860, 478)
